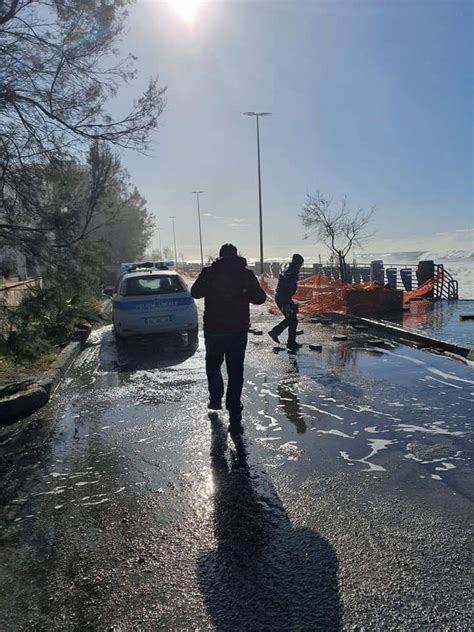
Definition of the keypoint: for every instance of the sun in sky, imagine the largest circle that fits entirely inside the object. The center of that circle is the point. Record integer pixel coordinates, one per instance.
(186, 10)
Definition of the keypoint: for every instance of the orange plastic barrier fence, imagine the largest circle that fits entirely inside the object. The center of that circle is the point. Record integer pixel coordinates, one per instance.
(426, 288)
(318, 294)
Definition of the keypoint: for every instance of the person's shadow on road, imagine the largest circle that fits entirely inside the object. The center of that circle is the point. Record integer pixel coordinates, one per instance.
(264, 574)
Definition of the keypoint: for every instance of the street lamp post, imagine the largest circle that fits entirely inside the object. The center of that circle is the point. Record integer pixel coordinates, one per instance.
(158, 229)
(172, 218)
(196, 193)
(260, 216)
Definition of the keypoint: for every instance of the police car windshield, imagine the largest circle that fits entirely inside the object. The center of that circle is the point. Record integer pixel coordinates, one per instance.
(145, 285)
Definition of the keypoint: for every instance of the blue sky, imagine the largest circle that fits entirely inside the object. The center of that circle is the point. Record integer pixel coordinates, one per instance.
(370, 99)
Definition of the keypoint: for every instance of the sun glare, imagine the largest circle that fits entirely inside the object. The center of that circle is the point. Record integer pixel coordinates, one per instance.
(186, 10)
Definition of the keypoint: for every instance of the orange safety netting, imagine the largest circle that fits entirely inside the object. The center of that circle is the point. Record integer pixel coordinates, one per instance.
(426, 289)
(423, 291)
(319, 294)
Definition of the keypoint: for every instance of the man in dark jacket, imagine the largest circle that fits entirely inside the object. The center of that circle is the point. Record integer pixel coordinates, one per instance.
(286, 288)
(227, 287)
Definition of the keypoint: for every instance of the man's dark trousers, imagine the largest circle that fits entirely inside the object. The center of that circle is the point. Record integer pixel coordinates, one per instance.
(289, 311)
(230, 347)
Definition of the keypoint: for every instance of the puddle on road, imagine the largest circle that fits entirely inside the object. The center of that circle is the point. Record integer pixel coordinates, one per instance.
(348, 398)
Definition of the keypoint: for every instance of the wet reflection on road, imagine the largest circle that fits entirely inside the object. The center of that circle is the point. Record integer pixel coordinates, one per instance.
(372, 407)
(289, 402)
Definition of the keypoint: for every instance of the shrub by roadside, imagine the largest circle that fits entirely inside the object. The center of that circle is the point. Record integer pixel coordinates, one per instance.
(33, 334)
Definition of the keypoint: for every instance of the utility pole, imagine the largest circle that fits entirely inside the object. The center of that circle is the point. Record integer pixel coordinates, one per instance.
(159, 241)
(260, 214)
(196, 193)
(172, 218)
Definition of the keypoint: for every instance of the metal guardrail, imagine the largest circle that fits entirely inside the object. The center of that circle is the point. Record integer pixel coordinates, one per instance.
(446, 286)
(397, 276)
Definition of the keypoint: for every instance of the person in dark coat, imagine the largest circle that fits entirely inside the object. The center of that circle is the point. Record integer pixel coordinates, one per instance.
(286, 288)
(227, 287)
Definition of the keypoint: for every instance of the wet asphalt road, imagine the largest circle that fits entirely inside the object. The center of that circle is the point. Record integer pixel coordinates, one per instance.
(345, 505)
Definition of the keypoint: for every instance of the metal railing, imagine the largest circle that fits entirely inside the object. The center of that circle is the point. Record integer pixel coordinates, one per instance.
(446, 286)
(397, 276)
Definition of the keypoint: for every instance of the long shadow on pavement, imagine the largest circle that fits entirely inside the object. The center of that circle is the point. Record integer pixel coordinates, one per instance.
(264, 574)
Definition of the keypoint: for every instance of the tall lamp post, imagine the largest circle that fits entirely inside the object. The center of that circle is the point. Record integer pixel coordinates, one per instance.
(158, 229)
(260, 216)
(196, 193)
(172, 218)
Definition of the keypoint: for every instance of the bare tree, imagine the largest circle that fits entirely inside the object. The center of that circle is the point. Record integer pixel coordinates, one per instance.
(339, 229)
(57, 76)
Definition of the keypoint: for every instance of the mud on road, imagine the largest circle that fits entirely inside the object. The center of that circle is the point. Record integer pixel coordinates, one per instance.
(345, 503)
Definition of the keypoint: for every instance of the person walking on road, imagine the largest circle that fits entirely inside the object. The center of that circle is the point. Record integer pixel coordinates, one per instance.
(286, 288)
(228, 287)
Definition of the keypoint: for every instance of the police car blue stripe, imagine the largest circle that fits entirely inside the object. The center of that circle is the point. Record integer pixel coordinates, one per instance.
(157, 302)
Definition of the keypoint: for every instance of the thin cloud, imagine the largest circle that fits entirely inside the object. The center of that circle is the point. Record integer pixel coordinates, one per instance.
(238, 225)
(212, 216)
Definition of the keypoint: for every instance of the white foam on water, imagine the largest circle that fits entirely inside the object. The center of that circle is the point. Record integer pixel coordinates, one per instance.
(377, 445)
(450, 376)
(373, 430)
(428, 430)
(354, 410)
(53, 492)
(435, 379)
(98, 502)
(291, 450)
(368, 409)
(399, 355)
(81, 483)
(273, 421)
(436, 477)
(324, 412)
(446, 467)
(333, 431)
(267, 392)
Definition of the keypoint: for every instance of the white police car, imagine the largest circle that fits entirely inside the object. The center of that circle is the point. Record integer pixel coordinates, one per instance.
(150, 301)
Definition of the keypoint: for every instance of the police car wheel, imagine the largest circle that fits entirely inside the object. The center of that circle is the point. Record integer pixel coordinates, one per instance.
(117, 336)
(193, 335)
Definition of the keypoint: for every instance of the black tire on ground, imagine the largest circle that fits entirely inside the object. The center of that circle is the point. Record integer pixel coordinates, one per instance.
(117, 336)
(193, 335)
